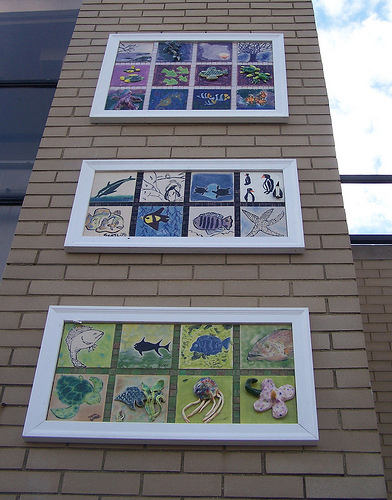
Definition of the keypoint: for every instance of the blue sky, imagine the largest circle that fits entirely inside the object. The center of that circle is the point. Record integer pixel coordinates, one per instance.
(356, 47)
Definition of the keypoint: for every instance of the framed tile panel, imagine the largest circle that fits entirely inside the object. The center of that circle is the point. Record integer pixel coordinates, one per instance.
(174, 375)
(186, 206)
(192, 77)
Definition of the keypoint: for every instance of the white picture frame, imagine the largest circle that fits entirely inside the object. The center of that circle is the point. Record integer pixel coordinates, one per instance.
(140, 87)
(262, 224)
(302, 430)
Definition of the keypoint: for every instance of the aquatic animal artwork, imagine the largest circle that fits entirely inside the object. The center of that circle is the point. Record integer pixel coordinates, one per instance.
(172, 191)
(212, 73)
(211, 100)
(276, 346)
(111, 187)
(247, 180)
(153, 219)
(82, 337)
(249, 196)
(221, 191)
(271, 397)
(261, 222)
(255, 73)
(104, 221)
(127, 101)
(174, 49)
(268, 184)
(212, 222)
(144, 346)
(208, 345)
(166, 102)
(260, 98)
(73, 391)
(206, 390)
(277, 193)
(132, 396)
(200, 190)
(154, 399)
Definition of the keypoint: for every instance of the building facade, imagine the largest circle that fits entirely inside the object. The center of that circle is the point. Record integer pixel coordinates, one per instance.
(346, 462)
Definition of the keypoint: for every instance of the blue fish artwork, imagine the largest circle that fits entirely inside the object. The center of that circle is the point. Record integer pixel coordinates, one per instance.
(208, 345)
(145, 346)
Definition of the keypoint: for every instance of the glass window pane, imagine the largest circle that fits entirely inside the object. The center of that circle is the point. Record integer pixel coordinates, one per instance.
(368, 208)
(36, 43)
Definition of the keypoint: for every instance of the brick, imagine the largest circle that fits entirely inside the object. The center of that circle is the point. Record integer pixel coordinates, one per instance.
(181, 484)
(300, 463)
(26, 482)
(346, 487)
(146, 461)
(64, 459)
(100, 484)
(226, 462)
(344, 398)
(285, 487)
(359, 419)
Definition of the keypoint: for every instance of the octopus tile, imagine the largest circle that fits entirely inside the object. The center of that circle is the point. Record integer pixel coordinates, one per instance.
(160, 221)
(78, 398)
(140, 398)
(214, 52)
(278, 403)
(262, 187)
(267, 347)
(210, 222)
(130, 75)
(212, 186)
(125, 99)
(211, 99)
(113, 187)
(146, 346)
(173, 51)
(213, 75)
(161, 187)
(107, 221)
(134, 52)
(255, 99)
(86, 345)
(193, 390)
(171, 75)
(206, 346)
(168, 99)
(263, 222)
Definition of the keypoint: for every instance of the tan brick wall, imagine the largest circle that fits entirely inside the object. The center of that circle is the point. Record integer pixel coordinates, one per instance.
(373, 266)
(347, 462)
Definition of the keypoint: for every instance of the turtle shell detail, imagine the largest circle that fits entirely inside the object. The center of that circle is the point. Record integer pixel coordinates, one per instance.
(74, 391)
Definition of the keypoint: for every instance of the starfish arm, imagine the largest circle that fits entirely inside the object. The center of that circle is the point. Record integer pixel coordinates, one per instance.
(269, 231)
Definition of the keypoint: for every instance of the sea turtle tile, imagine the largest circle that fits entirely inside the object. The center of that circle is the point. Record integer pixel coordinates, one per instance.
(213, 75)
(255, 75)
(107, 221)
(130, 75)
(255, 52)
(125, 99)
(159, 221)
(86, 345)
(206, 346)
(248, 415)
(174, 51)
(263, 222)
(134, 402)
(168, 99)
(210, 99)
(163, 187)
(78, 398)
(146, 346)
(114, 187)
(267, 347)
(171, 75)
(185, 396)
(207, 221)
(133, 52)
(219, 52)
(262, 186)
(212, 186)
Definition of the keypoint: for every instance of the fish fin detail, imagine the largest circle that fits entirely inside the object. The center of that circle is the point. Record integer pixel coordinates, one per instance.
(226, 343)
